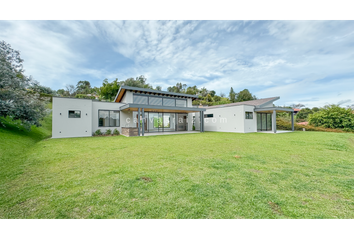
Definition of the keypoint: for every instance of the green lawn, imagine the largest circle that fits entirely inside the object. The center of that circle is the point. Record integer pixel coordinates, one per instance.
(289, 175)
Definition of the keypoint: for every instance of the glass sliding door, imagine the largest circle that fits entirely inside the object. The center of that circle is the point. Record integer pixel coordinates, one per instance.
(169, 123)
(264, 121)
(259, 122)
(269, 122)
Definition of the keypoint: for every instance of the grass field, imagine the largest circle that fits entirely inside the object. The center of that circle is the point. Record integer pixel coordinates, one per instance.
(202, 175)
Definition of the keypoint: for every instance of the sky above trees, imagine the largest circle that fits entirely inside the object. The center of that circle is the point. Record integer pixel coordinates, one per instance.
(310, 62)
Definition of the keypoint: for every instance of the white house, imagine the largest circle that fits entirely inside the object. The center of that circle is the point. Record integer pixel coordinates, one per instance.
(158, 112)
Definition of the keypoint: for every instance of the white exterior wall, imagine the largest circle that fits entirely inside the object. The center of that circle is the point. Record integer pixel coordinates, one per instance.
(267, 105)
(189, 102)
(231, 119)
(65, 127)
(250, 125)
(104, 106)
(128, 97)
(225, 119)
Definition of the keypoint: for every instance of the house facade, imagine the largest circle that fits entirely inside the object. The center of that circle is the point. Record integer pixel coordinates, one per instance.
(135, 111)
(244, 117)
(140, 111)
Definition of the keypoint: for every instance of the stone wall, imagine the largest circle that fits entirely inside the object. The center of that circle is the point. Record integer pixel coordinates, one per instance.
(129, 131)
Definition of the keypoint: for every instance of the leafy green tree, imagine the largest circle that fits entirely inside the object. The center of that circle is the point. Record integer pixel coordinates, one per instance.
(70, 90)
(83, 87)
(108, 91)
(245, 95)
(315, 109)
(216, 98)
(203, 92)
(158, 88)
(16, 101)
(333, 116)
(303, 114)
(232, 95)
(192, 90)
(209, 98)
(212, 93)
(179, 88)
(138, 82)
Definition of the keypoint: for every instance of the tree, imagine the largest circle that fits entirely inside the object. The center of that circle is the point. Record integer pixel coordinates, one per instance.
(70, 89)
(333, 116)
(192, 90)
(303, 114)
(16, 101)
(108, 91)
(212, 93)
(209, 98)
(158, 88)
(138, 82)
(298, 105)
(232, 95)
(179, 88)
(83, 87)
(204, 92)
(245, 95)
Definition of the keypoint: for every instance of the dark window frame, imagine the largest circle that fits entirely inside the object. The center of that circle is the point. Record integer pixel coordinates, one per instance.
(249, 115)
(74, 113)
(109, 117)
(209, 115)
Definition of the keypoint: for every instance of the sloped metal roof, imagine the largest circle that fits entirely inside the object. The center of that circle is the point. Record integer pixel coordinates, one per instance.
(256, 103)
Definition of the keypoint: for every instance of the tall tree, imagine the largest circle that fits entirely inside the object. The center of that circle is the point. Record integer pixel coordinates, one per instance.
(137, 82)
(70, 89)
(108, 91)
(83, 87)
(16, 101)
(245, 95)
(232, 95)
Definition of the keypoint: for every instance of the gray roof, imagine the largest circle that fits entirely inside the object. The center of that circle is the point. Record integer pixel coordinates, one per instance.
(257, 103)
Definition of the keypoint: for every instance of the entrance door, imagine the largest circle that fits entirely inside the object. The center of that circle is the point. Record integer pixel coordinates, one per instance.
(264, 121)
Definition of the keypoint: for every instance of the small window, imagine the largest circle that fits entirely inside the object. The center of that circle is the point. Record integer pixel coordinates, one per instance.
(74, 114)
(169, 102)
(155, 101)
(208, 115)
(249, 115)
(138, 99)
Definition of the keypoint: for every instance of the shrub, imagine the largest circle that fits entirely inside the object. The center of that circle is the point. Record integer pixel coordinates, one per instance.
(98, 132)
(333, 116)
(108, 132)
(285, 125)
(115, 131)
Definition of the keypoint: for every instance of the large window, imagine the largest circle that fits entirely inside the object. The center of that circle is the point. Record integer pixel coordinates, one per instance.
(108, 118)
(210, 115)
(155, 101)
(169, 102)
(249, 115)
(140, 99)
(74, 114)
(181, 103)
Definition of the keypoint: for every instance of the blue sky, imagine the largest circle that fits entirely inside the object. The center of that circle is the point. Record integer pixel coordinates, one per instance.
(309, 62)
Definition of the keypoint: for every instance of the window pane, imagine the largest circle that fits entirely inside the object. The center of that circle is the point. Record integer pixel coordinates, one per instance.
(168, 102)
(181, 103)
(114, 118)
(140, 99)
(208, 115)
(74, 114)
(103, 118)
(155, 101)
